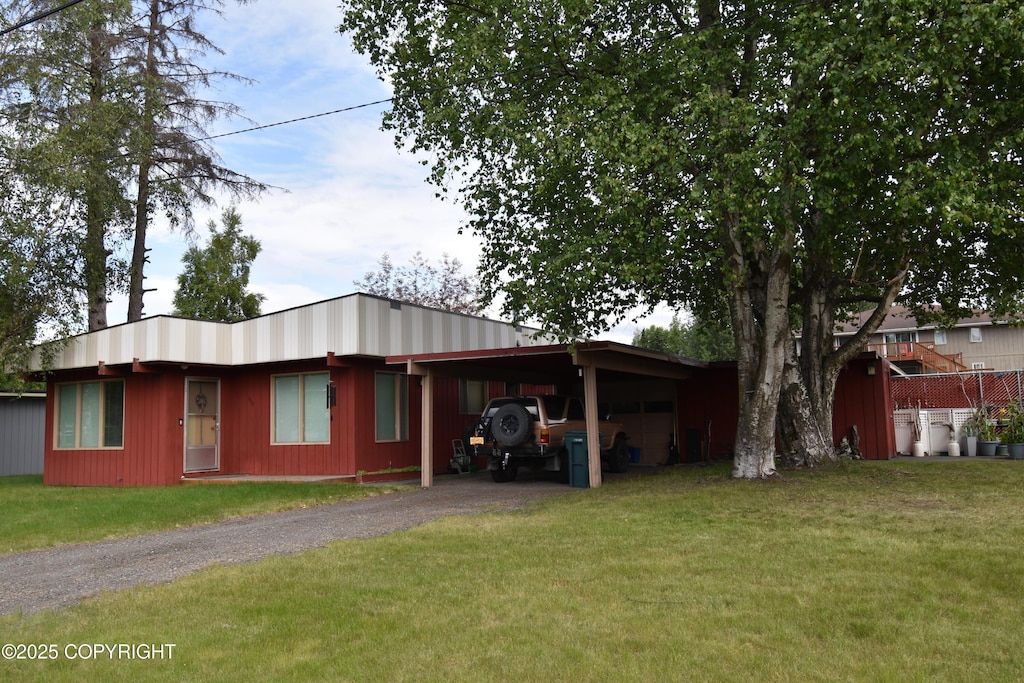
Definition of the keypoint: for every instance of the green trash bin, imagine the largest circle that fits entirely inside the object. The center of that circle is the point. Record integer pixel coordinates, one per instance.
(579, 460)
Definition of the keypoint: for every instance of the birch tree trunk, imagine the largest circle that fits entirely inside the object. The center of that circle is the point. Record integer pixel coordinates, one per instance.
(759, 309)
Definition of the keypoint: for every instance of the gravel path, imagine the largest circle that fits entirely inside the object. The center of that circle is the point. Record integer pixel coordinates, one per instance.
(63, 576)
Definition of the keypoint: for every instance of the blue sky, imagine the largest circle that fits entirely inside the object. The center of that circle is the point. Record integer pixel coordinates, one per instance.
(348, 194)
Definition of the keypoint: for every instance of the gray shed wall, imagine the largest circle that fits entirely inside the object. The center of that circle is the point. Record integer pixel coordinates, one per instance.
(22, 427)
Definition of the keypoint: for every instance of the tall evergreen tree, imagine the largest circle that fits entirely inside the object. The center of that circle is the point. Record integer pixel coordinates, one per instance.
(39, 253)
(109, 93)
(174, 170)
(74, 102)
(215, 282)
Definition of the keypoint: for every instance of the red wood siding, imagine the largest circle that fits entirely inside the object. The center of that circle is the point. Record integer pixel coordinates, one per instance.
(153, 440)
(707, 403)
(247, 446)
(449, 422)
(246, 428)
(153, 452)
(865, 401)
(373, 456)
(861, 399)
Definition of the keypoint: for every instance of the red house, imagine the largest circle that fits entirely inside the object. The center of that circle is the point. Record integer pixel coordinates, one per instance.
(300, 392)
(361, 384)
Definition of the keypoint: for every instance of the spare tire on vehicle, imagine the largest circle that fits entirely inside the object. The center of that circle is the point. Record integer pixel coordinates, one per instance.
(511, 424)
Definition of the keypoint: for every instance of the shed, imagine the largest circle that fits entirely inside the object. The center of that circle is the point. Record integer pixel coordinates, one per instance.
(22, 432)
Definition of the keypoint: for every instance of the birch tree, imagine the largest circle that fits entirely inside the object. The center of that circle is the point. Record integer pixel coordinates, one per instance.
(800, 159)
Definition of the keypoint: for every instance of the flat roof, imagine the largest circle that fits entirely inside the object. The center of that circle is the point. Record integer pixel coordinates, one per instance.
(542, 364)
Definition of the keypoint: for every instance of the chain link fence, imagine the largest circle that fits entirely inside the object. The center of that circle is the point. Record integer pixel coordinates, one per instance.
(940, 404)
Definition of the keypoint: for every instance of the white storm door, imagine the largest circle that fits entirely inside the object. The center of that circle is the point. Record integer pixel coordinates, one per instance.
(202, 425)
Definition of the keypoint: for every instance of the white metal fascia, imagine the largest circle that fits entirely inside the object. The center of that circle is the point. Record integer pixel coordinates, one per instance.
(346, 326)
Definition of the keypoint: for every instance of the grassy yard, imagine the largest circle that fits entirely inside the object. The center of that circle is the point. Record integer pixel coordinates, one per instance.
(910, 571)
(38, 516)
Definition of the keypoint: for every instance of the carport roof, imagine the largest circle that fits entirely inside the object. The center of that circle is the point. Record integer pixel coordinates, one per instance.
(542, 364)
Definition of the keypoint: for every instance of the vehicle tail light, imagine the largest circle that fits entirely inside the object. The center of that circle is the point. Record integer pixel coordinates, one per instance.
(545, 436)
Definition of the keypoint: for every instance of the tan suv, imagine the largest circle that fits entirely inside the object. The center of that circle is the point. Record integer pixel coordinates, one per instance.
(530, 430)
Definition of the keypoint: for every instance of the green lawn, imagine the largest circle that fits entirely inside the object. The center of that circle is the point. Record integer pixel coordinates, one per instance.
(909, 571)
(38, 516)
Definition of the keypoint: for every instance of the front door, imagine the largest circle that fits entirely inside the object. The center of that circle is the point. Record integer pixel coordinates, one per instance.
(202, 425)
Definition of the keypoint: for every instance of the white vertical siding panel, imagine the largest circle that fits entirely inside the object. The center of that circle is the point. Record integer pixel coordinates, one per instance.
(394, 334)
(368, 322)
(141, 336)
(224, 344)
(412, 329)
(442, 336)
(126, 352)
(288, 327)
(454, 334)
(349, 324)
(157, 340)
(103, 346)
(353, 325)
(314, 331)
(238, 342)
(264, 340)
(92, 350)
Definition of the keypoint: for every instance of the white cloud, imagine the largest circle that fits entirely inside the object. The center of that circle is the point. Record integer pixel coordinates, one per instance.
(351, 195)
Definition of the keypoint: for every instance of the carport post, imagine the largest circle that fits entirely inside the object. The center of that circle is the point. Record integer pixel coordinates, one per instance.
(590, 413)
(427, 422)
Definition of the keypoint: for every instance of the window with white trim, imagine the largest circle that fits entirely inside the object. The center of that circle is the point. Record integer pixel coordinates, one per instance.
(940, 337)
(301, 414)
(391, 403)
(978, 365)
(975, 334)
(90, 415)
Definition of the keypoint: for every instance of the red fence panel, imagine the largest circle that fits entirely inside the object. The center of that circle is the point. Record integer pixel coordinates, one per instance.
(963, 390)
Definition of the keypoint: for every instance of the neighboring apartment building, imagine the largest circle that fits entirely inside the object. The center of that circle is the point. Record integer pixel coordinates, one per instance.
(975, 343)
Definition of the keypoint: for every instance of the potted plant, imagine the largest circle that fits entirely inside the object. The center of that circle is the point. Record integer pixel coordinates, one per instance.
(969, 437)
(986, 433)
(1013, 431)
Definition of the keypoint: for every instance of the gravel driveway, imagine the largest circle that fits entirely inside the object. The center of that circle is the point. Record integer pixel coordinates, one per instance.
(63, 576)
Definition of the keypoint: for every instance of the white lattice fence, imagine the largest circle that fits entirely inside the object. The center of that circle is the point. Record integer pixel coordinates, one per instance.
(934, 425)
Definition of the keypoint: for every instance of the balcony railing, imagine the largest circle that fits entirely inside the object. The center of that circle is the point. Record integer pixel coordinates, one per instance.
(920, 352)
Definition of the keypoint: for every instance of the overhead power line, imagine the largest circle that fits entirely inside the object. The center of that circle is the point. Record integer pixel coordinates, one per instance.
(42, 15)
(301, 118)
(797, 4)
(39, 17)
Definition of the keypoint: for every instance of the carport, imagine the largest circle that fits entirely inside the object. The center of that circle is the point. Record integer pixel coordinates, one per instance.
(592, 363)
